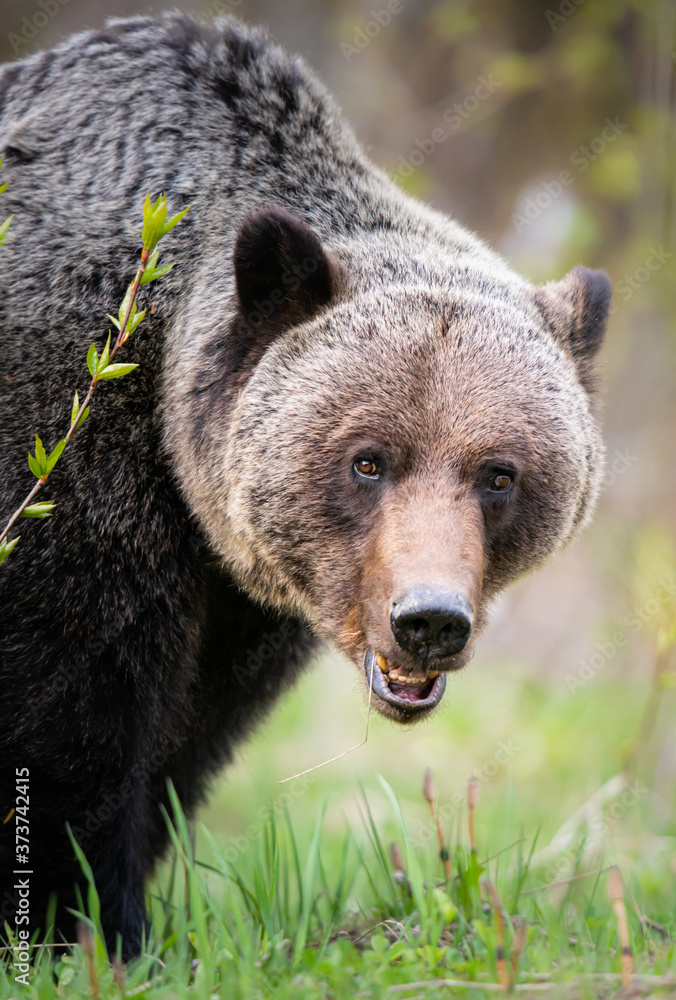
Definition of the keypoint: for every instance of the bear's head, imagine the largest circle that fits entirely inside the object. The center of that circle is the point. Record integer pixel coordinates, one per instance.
(402, 441)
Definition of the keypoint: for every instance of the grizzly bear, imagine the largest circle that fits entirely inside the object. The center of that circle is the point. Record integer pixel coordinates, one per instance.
(351, 422)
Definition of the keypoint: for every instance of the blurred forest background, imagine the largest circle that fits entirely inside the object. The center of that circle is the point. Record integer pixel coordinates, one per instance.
(548, 126)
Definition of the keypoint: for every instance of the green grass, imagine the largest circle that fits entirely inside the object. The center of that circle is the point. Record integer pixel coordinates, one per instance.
(294, 892)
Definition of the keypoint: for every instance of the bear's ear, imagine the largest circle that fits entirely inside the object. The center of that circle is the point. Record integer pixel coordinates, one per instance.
(575, 310)
(282, 272)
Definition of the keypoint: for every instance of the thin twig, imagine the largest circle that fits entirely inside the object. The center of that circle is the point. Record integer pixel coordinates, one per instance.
(463, 984)
(42, 944)
(122, 338)
(383, 923)
(345, 752)
(541, 986)
(565, 881)
(503, 850)
(137, 990)
(19, 511)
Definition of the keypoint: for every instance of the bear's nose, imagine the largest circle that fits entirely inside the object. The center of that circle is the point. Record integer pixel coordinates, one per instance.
(431, 623)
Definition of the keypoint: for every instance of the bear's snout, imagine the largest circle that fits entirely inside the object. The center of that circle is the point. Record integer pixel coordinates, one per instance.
(431, 623)
(421, 595)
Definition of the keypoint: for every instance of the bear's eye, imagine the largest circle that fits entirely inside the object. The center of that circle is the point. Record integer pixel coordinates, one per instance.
(367, 468)
(501, 482)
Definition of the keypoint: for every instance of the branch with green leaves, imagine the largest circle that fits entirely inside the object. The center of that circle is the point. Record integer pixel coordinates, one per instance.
(4, 226)
(101, 367)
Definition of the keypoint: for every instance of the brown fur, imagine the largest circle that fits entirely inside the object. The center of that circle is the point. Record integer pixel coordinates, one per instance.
(440, 382)
(315, 313)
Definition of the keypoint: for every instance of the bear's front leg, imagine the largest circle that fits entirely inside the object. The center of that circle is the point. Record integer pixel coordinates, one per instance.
(108, 821)
(116, 854)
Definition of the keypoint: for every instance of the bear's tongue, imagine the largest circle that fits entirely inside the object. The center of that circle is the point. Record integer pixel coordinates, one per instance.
(411, 692)
(407, 691)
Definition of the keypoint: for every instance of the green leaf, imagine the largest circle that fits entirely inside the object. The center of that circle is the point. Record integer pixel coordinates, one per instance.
(40, 453)
(55, 455)
(153, 224)
(43, 509)
(156, 225)
(3, 230)
(82, 419)
(130, 318)
(117, 371)
(5, 546)
(92, 360)
(103, 360)
(35, 466)
(152, 261)
(133, 323)
(148, 206)
(75, 408)
(161, 271)
(174, 221)
(122, 312)
(153, 274)
(3, 187)
(149, 272)
(112, 319)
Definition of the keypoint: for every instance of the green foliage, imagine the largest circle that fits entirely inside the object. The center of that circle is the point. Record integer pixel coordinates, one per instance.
(4, 226)
(92, 360)
(115, 371)
(152, 271)
(6, 547)
(3, 229)
(469, 872)
(103, 360)
(127, 311)
(76, 407)
(155, 222)
(308, 915)
(42, 464)
(101, 368)
(42, 509)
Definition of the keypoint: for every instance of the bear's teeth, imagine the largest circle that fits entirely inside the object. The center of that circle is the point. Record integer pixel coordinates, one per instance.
(397, 674)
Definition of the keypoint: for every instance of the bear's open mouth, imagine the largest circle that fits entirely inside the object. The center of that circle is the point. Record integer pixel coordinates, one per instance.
(406, 691)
